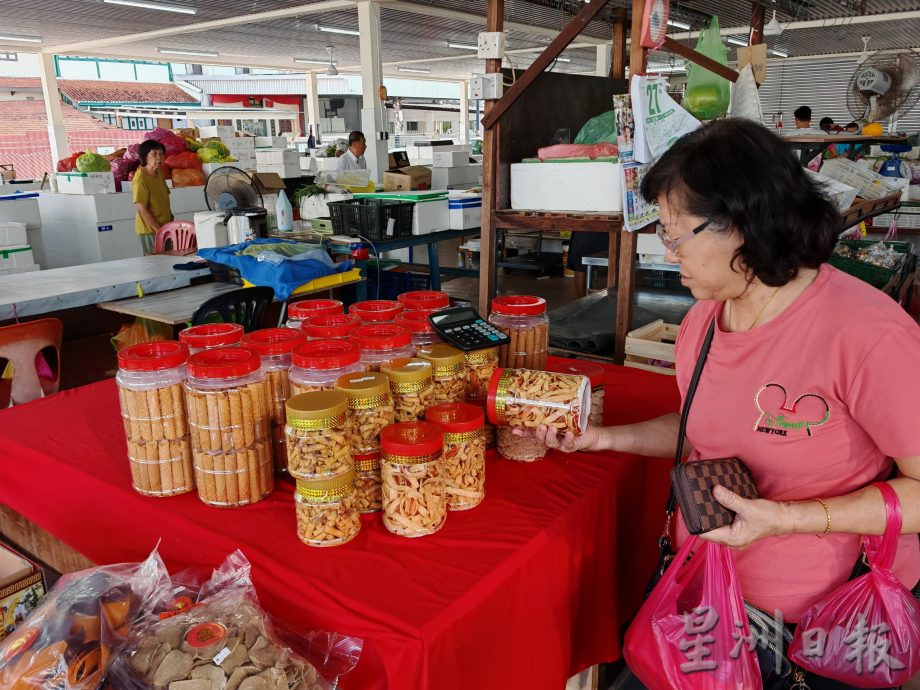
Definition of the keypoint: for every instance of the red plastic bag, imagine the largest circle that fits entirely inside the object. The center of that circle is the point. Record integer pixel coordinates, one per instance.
(69, 163)
(591, 151)
(187, 178)
(181, 161)
(867, 631)
(692, 632)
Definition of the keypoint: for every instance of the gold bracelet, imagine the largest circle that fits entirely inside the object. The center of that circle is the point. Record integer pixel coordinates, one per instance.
(827, 512)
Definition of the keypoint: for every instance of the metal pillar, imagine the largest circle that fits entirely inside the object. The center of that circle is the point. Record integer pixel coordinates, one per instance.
(57, 132)
(373, 112)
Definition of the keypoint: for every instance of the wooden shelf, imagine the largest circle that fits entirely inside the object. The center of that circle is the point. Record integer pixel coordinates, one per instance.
(555, 220)
(866, 208)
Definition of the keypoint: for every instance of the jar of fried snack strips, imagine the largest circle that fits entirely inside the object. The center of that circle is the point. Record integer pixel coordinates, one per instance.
(464, 452)
(229, 410)
(207, 336)
(450, 376)
(595, 374)
(317, 364)
(525, 399)
(411, 387)
(376, 310)
(382, 343)
(518, 448)
(480, 365)
(152, 397)
(417, 323)
(300, 311)
(317, 435)
(370, 408)
(523, 318)
(424, 300)
(412, 472)
(326, 511)
(368, 497)
(488, 427)
(330, 326)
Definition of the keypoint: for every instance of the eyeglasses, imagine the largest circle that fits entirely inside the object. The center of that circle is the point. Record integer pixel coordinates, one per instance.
(672, 245)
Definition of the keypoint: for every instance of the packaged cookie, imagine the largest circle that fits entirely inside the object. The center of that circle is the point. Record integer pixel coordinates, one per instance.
(480, 365)
(327, 513)
(211, 335)
(411, 387)
(370, 408)
(424, 300)
(317, 435)
(382, 343)
(376, 310)
(417, 323)
(330, 326)
(368, 497)
(450, 375)
(595, 374)
(525, 399)
(317, 364)
(523, 318)
(464, 452)
(414, 486)
(300, 311)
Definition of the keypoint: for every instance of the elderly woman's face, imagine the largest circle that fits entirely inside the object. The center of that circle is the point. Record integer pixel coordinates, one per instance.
(155, 160)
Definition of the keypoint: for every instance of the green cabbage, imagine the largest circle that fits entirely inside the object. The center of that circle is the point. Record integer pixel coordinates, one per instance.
(92, 162)
(219, 147)
(208, 155)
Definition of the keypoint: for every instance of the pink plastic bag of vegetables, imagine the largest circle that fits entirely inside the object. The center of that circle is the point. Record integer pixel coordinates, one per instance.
(173, 142)
(121, 168)
(131, 154)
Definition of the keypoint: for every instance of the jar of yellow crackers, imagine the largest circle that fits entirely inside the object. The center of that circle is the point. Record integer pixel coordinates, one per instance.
(208, 336)
(368, 497)
(526, 399)
(480, 365)
(464, 452)
(330, 326)
(370, 408)
(523, 318)
(317, 435)
(450, 376)
(300, 311)
(595, 374)
(317, 364)
(414, 486)
(382, 342)
(152, 397)
(411, 387)
(326, 511)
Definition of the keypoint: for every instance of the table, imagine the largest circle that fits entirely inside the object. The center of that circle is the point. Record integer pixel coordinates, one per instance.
(523, 591)
(174, 307)
(811, 146)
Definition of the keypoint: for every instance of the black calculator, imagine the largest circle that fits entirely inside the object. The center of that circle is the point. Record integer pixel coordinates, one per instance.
(465, 329)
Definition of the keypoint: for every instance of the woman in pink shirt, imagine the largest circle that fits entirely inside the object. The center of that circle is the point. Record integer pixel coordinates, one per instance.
(812, 379)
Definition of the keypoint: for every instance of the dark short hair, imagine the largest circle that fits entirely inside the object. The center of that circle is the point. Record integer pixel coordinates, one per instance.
(826, 123)
(852, 124)
(146, 147)
(803, 113)
(739, 175)
(355, 137)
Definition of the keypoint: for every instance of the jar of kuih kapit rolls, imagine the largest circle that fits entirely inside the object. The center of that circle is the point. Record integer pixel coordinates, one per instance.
(330, 326)
(229, 411)
(300, 311)
(526, 399)
(417, 323)
(411, 387)
(152, 397)
(326, 510)
(480, 365)
(368, 497)
(412, 472)
(518, 448)
(211, 335)
(370, 408)
(376, 310)
(595, 374)
(382, 342)
(523, 318)
(317, 364)
(464, 452)
(317, 435)
(450, 376)
(424, 300)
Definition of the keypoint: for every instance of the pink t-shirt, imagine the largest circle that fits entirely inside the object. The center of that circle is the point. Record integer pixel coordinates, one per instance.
(816, 403)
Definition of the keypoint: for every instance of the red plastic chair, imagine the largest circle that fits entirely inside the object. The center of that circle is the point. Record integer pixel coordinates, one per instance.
(181, 233)
(20, 344)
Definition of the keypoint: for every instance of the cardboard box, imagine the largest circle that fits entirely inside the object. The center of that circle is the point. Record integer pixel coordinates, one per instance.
(450, 159)
(402, 177)
(582, 187)
(85, 183)
(187, 132)
(7, 172)
(12, 234)
(277, 157)
(219, 132)
(22, 586)
(465, 211)
(272, 142)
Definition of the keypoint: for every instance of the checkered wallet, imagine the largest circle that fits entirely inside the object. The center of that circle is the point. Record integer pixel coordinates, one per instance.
(692, 483)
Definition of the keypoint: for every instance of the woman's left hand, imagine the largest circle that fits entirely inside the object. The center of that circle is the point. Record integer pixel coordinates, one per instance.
(754, 519)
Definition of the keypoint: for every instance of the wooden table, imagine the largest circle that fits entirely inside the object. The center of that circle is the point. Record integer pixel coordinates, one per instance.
(810, 146)
(175, 307)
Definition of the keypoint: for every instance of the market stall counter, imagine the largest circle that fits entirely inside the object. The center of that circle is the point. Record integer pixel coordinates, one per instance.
(524, 591)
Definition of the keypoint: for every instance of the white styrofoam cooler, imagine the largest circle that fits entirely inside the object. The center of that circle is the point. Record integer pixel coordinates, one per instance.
(21, 208)
(318, 206)
(582, 187)
(208, 168)
(13, 234)
(220, 131)
(325, 164)
(239, 143)
(277, 157)
(283, 171)
(450, 159)
(85, 183)
(19, 256)
(430, 215)
(465, 211)
(459, 176)
(272, 142)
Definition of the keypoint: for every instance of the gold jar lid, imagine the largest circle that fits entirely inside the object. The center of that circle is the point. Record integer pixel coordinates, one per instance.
(441, 355)
(486, 356)
(327, 489)
(364, 389)
(317, 410)
(407, 370)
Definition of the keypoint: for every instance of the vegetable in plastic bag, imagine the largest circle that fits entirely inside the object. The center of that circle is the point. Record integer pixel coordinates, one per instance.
(218, 146)
(187, 177)
(93, 162)
(180, 161)
(69, 163)
(173, 142)
(708, 95)
(193, 144)
(599, 130)
(206, 155)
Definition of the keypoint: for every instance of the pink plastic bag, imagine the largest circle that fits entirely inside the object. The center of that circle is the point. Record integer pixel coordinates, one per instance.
(867, 631)
(692, 632)
(591, 151)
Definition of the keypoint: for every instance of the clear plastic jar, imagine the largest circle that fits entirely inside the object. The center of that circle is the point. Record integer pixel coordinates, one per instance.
(317, 364)
(152, 397)
(464, 453)
(370, 408)
(480, 364)
(519, 448)
(368, 497)
(596, 376)
(330, 327)
(417, 323)
(450, 375)
(211, 335)
(228, 412)
(523, 318)
(523, 398)
(376, 310)
(317, 435)
(488, 427)
(414, 487)
(326, 512)
(411, 387)
(382, 343)
(300, 311)
(424, 300)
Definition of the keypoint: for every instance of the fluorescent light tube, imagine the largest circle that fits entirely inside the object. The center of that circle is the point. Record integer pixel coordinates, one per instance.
(414, 70)
(462, 46)
(305, 61)
(779, 53)
(147, 5)
(23, 39)
(336, 30)
(736, 42)
(192, 53)
(563, 59)
(679, 25)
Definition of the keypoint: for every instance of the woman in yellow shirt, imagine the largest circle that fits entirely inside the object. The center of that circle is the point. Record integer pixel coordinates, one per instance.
(151, 195)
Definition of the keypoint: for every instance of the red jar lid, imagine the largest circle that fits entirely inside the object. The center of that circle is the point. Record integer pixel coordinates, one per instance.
(381, 336)
(594, 372)
(223, 363)
(330, 326)
(412, 438)
(155, 356)
(431, 300)
(376, 309)
(272, 341)
(519, 305)
(211, 335)
(457, 417)
(415, 321)
(307, 308)
(325, 354)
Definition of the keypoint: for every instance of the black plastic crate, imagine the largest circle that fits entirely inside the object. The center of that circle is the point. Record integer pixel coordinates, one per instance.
(222, 273)
(374, 219)
(394, 282)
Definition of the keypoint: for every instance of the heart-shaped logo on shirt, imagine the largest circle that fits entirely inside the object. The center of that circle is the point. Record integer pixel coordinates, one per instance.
(780, 416)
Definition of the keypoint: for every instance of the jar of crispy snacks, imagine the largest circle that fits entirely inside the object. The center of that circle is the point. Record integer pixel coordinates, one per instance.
(210, 335)
(595, 374)
(424, 300)
(370, 408)
(464, 452)
(228, 413)
(368, 497)
(317, 435)
(326, 512)
(330, 326)
(412, 471)
(523, 318)
(317, 364)
(381, 343)
(450, 376)
(152, 397)
(519, 448)
(417, 323)
(300, 311)
(480, 365)
(488, 427)
(523, 398)
(376, 310)
(411, 386)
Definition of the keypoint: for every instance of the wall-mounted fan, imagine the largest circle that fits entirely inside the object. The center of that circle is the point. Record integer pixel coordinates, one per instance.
(884, 85)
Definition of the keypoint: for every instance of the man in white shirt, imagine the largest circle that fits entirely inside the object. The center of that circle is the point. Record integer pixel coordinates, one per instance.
(353, 158)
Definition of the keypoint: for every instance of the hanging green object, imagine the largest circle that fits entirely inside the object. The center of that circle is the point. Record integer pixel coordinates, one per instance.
(708, 95)
(598, 130)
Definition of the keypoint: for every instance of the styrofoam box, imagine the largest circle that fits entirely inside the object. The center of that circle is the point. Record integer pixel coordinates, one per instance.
(583, 187)
(282, 171)
(272, 142)
(208, 168)
(220, 132)
(430, 215)
(187, 199)
(278, 157)
(16, 257)
(324, 164)
(318, 206)
(12, 234)
(240, 143)
(21, 208)
(451, 178)
(307, 164)
(450, 159)
(19, 269)
(465, 211)
(85, 183)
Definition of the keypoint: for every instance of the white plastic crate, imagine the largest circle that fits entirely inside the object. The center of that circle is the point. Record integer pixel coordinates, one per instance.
(843, 195)
(868, 184)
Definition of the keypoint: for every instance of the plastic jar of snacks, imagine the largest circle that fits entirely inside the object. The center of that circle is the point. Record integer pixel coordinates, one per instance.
(464, 452)
(412, 471)
(519, 448)
(370, 408)
(595, 374)
(411, 387)
(211, 335)
(317, 435)
(330, 327)
(382, 342)
(480, 364)
(326, 512)
(525, 399)
(417, 323)
(376, 310)
(368, 498)
(523, 318)
(450, 376)
(150, 390)
(424, 300)
(228, 413)
(300, 311)
(317, 364)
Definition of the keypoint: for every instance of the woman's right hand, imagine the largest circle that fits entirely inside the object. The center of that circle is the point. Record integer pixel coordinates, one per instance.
(567, 443)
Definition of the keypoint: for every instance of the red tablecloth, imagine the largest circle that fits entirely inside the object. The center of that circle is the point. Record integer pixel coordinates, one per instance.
(521, 592)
